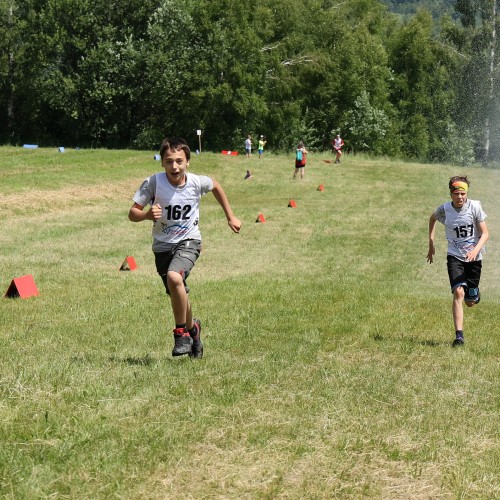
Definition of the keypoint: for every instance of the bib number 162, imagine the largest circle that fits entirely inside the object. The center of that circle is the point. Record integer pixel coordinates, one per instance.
(176, 212)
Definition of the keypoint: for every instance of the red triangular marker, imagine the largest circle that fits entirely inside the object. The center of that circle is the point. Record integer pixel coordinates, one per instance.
(23, 287)
(321, 188)
(128, 264)
(292, 204)
(261, 218)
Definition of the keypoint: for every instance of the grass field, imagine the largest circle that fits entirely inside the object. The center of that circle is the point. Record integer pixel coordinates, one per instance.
(328, 368)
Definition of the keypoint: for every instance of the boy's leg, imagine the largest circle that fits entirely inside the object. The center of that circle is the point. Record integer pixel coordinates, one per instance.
(184, 260)
(473, 275)
(184, 257)
(179, 263)
(178, 297)
(189, 315)
(458, 310)
(458, 283)
(193, 326)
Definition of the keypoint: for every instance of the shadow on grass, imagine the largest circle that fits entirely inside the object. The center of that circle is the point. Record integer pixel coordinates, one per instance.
(146, 360)
(428, 343)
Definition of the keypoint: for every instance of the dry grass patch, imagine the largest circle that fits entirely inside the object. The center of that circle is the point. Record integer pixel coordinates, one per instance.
(36, 203)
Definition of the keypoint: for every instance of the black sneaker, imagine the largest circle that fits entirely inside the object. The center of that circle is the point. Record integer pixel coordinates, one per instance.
(182, 342)
(197, 350)
(459, 341)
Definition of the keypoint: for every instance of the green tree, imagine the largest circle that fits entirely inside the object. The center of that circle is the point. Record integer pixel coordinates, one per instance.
(366, 126)
(168, 53)
(421, 89)
(227, 78)
(12, 35)
(477, 45)
(75, 70)
(349, 57)
(8, 33)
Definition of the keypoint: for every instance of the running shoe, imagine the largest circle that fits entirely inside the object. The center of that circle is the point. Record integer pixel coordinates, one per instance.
(197, 349)
(182, 342)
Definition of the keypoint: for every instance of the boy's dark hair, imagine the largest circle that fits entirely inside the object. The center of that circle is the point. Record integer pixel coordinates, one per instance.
(174, 144)
(458, 178)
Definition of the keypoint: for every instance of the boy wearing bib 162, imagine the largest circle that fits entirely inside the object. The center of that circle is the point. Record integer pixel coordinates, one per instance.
(174, 199)
(466, 232)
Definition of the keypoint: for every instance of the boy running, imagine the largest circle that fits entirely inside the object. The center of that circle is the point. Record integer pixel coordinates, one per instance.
(174, 199)
(466, 232)
(337, 145)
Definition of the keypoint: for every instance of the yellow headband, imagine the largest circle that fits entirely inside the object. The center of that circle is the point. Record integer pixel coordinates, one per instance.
(459, 186)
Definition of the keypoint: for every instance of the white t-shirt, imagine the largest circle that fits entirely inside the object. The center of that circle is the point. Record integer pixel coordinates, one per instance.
(180, 207)
(462, 227)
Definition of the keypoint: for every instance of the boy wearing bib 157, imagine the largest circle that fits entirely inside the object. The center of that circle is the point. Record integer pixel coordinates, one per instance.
(174, 199)
(467, 233)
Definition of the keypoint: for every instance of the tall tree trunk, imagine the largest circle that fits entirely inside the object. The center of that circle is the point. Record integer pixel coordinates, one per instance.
(491, 92)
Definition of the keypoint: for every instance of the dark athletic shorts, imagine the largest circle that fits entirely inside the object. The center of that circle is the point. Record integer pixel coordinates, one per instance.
(466, 274)
(181, 259)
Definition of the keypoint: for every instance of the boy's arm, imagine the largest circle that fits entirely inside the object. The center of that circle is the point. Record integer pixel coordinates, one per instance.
(432, 232)
(138, 214)
(485, 236)
(220, 196)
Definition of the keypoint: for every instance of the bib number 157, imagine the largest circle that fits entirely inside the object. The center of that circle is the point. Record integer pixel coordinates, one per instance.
(464, 231)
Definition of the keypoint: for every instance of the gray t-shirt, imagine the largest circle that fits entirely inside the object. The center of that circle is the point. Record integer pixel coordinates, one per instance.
(461, 227)
(180, 207)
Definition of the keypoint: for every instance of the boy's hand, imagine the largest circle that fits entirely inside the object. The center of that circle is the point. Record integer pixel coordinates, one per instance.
(234, 224)
(471, 256)
(156, 211)
(430, 253)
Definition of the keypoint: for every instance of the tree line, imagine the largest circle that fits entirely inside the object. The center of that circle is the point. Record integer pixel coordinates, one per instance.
(125, 73)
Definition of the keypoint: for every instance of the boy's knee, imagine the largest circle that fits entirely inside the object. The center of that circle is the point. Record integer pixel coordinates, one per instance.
(459, 292)
(174, 280)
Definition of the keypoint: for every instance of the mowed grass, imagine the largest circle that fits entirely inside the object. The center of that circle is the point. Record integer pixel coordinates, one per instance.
(328, 368)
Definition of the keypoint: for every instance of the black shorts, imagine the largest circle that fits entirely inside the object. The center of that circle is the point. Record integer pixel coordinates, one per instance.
(466, 274)
(180, 258)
